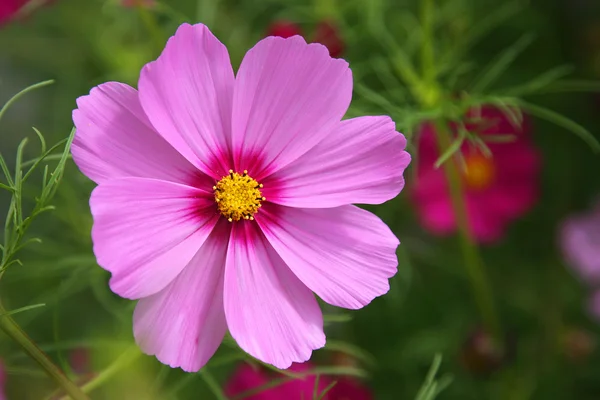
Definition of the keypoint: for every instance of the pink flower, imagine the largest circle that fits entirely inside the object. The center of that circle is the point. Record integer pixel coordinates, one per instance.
(247, 377)
(183, 167)
(135, 3)
(497, 189)
(580, 243)
(9, 8)
(284, 29)
(328, 34)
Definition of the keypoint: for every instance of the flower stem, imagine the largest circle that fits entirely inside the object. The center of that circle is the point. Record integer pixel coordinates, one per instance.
(14, 331)
(472, 260)
(473, 263)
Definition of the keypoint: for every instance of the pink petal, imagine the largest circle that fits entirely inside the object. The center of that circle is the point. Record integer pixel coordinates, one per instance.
(115, 139)
(270, 313)
(345, 255)
(289, 95)
(187, 94)
(146, 231)
(184, 323)
(361, 161)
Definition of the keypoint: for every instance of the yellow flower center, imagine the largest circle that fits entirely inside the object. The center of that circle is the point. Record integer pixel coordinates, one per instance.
(480, 171)
(238, 196)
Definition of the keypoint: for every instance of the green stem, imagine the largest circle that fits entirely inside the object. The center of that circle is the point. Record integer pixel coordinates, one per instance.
(472, 260)
(123, 361)
(473, 263)
(427, 57)
(14, 331)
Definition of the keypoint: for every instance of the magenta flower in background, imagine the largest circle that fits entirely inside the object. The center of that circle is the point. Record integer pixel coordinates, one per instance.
(223, 202)
(580, 243)
(284, 29)
(247, 377)
(498, 190)
(135, 3)
(9, 8)
(328, 34)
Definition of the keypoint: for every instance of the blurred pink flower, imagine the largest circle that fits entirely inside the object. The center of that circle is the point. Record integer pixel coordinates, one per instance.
(247, 377)
(9, 8)
(580, 243)
(185, 164)
(497, 190)
(284, 29)
(328, 34)
(135, 3)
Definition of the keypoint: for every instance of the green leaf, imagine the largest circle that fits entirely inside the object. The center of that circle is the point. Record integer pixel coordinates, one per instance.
(326, 390)
(501, 63)
(432, 387)
(19, 310)
(21, 93)
(541, 83)
(212, 384)
(562, 121)
(352, 350)
(573, 86)
(452, 149)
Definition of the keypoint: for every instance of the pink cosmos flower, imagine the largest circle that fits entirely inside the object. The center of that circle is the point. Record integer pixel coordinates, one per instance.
(580, 243)
(247, 377)
(498, 189)
(185, 164)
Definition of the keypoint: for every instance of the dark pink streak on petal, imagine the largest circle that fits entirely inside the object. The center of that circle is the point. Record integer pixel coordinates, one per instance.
(345, 254)
(361, 161)
(187, 94)
(270, 313)
(288, 96)
(146, 231)
(184, 323)
(114, 139)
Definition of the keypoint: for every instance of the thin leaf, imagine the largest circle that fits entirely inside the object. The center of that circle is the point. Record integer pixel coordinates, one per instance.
(41, 137)
(21, 93)
(540, 83)
(451, 150)
(212, 384)
(562, 121)
(326, 390)
(572, 86)
(501, 63)
(19, 310)
(352, 350)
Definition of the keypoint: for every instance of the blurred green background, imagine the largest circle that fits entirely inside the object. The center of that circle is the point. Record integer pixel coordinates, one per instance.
(429, 309)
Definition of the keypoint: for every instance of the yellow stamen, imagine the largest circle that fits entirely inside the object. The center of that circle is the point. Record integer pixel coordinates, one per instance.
(480, 171)
(238, 196)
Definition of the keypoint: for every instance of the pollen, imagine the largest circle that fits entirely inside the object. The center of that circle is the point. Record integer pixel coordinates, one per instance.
(480, 171)
(238, 196)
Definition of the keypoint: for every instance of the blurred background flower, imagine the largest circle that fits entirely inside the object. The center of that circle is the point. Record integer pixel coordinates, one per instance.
(500, 181)
(509, 86)
(257, 382)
